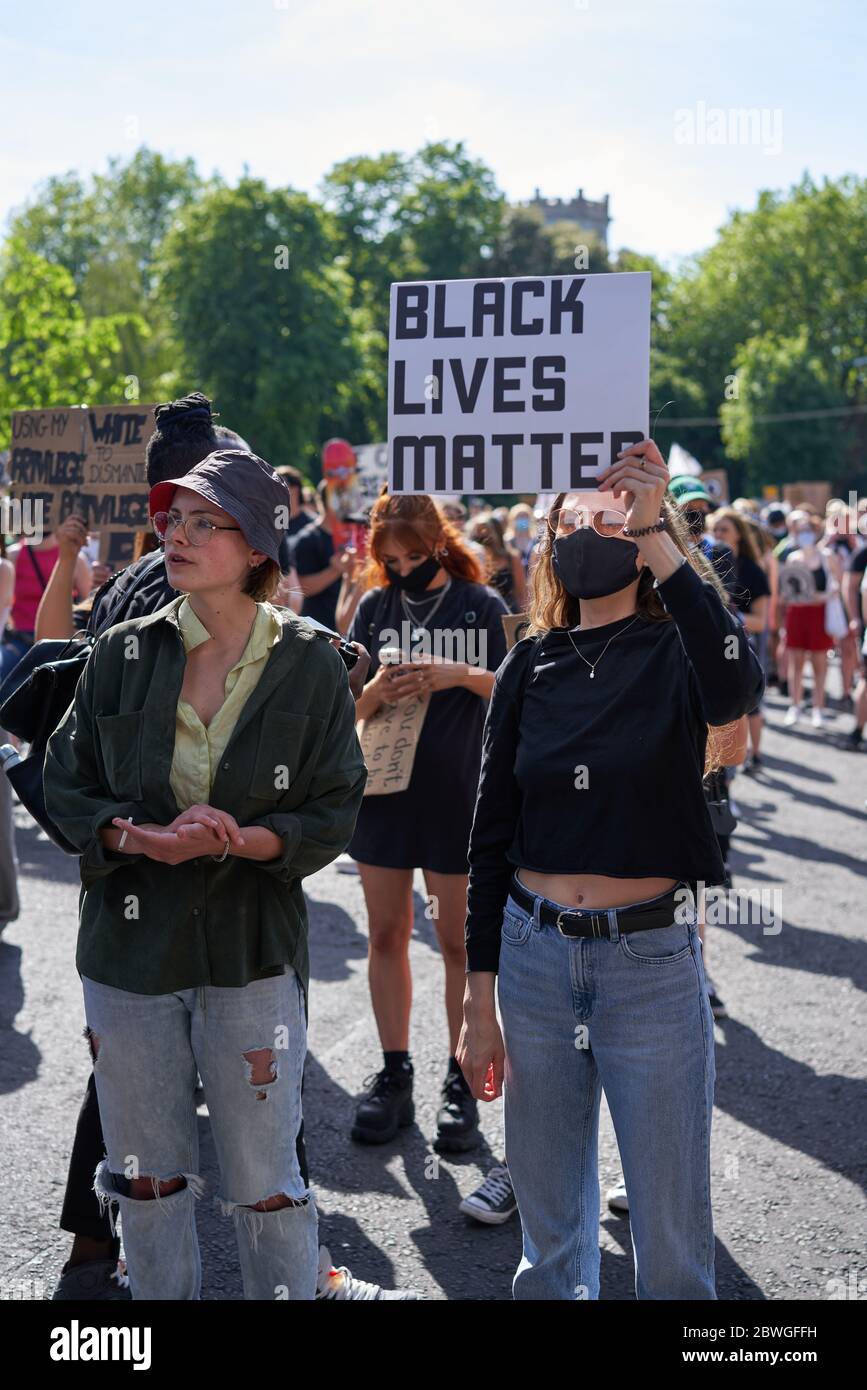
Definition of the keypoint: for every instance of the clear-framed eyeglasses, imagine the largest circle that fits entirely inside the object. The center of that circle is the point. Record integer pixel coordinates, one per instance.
(563, 521)
(197, 529)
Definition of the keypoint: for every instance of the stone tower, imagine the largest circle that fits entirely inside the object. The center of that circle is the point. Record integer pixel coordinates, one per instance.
(593, 217)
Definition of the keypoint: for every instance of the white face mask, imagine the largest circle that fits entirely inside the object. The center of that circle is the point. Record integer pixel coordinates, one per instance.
(806, 538)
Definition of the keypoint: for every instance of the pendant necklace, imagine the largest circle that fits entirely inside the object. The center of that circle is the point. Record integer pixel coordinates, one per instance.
(420, 625)
(594, 664)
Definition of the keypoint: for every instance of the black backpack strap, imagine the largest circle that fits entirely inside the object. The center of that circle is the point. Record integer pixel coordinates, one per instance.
(39, 575)
(137, 583)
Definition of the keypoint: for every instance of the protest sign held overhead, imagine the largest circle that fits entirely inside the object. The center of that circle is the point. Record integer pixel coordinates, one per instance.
(518, 385)
(84, 460)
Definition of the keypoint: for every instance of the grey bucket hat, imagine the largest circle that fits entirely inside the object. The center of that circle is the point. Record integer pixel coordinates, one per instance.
(242, 484)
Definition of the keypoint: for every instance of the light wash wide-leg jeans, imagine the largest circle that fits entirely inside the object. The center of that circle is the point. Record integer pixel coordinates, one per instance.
(629, 1016)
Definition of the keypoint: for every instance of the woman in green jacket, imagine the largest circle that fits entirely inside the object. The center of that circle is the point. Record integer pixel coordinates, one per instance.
(208, 763)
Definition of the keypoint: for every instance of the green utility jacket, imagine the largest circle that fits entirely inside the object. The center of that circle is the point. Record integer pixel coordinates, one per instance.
(293, 763)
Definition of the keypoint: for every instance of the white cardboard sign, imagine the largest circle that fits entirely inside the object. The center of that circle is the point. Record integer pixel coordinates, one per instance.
(518, 385)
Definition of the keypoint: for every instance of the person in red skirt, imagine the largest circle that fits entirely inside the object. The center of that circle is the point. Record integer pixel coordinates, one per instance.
(806, 632)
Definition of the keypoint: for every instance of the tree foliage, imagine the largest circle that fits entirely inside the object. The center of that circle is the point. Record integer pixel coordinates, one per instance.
(51, 354)
(151, 272)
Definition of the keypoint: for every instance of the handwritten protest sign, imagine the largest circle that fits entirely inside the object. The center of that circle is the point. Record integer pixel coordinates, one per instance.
(516, 385)
(812, 494)
(372, 472)
(87, 460)
(716, 480)
(514, 627)
(388, 742)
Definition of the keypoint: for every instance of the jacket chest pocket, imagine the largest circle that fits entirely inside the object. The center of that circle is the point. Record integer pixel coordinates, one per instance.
(120, 737)
(286, 743)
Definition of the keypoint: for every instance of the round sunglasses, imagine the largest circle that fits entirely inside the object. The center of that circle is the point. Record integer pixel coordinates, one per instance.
(606, 522)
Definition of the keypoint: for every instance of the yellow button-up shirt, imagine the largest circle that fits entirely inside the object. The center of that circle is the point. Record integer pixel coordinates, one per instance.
(198, 748)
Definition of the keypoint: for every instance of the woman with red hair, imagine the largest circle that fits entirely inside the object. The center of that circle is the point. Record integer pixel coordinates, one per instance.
(425, 598)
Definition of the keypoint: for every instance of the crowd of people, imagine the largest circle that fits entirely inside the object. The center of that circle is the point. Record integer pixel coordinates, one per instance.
(566, 794)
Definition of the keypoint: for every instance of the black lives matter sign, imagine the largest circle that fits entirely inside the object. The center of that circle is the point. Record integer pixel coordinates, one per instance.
(520, 385)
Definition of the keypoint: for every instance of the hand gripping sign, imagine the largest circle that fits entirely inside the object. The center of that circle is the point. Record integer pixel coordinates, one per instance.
(518, 385)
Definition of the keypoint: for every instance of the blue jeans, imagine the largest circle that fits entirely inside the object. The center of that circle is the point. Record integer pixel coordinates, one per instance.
(148, 1049)
(12, 649)
(629, 1016)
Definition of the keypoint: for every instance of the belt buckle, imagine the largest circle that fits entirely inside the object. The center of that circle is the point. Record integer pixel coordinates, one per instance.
(564, 913)
(595, 929)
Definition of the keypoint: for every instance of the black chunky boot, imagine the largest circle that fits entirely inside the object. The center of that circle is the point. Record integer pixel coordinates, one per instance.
(458, 1116)
(387, 1107)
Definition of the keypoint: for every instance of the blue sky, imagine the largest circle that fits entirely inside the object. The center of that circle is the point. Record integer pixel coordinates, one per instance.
(627, 97)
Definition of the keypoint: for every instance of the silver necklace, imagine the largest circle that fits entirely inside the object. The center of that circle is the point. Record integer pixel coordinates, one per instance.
(594, 664)
(419, 625)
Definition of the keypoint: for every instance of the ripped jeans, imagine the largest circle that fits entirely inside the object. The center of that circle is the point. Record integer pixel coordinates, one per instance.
(248, 1044)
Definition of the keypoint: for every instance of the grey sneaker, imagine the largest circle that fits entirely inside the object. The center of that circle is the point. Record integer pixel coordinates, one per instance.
(339, 1284)
(493, 1201)
(104, 1280)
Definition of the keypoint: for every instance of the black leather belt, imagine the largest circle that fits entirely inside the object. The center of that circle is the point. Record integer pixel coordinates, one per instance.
(578, 922)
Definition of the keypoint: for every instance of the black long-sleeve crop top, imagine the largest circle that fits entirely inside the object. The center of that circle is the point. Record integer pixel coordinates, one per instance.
(603, 775)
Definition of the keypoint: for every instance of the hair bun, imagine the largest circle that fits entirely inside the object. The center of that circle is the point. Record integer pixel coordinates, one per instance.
(195, 406)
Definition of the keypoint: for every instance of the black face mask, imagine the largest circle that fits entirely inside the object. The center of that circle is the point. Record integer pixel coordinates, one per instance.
(695, 522)
(592, 566)
(417, 579)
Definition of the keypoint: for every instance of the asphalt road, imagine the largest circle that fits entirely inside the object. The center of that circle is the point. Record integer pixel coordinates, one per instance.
(788, 1135)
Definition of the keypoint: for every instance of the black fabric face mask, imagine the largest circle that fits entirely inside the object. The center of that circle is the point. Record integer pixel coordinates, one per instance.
(695, 522)
(417, 579)
(592, 566)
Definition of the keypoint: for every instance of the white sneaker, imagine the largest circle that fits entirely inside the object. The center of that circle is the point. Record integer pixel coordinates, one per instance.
(816, 718)
(617, 1199)
(792, 715)
(338, 1284)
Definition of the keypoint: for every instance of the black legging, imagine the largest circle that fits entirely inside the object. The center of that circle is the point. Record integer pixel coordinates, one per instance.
(81, 1213)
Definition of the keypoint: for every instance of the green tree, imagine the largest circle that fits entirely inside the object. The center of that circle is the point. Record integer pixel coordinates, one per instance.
(778, 376)
(51, 354)
(430, 215)
(796, 259)
(106, 234)
(262, 312)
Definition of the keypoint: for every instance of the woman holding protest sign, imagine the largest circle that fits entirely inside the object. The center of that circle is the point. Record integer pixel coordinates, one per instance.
(590, 839)
(435, 635)
(208, 763)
